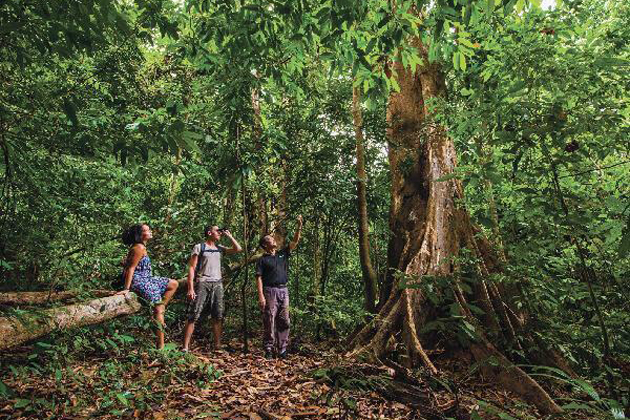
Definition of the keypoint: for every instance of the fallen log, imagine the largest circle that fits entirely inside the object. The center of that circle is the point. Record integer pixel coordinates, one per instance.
(16, 330)
(42, 297)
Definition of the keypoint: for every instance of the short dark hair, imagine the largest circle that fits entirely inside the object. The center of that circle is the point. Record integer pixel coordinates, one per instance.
(133, 235)
(263, 241)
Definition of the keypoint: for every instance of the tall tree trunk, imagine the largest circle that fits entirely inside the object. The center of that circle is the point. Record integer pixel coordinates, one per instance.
(231, 197)
(172, 190)
(244, 301)
(280, 207)
(369, 275)
(429, 228)
(261, 208)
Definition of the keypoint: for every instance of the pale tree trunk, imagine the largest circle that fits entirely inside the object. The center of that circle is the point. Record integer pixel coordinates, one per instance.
(172, 190)
(317, 259)
(429, 228)
(369, 275)
(230, 207)
(279, 208)
(261, 207)
(15, 331)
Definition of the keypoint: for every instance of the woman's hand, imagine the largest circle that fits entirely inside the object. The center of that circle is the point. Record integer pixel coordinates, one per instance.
(262, 302)
(123, 292)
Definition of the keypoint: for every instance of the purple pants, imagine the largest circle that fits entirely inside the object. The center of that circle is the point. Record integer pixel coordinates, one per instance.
(276, 318)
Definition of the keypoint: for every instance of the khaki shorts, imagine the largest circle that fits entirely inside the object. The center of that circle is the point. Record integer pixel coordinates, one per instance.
(209, 301)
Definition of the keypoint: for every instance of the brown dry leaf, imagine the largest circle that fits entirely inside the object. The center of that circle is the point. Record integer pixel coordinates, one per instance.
(229, 414)
(254, 416)
(312, 410)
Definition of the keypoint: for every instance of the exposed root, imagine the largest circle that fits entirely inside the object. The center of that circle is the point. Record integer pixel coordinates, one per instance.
(513, 378)
(377, 346)
(414, 347)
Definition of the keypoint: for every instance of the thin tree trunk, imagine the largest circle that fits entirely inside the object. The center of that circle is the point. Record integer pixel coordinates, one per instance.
(244, 301)
(586, 274)
(280, 207)
(15, 331)
(261, 208)
(230, 206)
(317, 259)
(172, 190)
(369, 275)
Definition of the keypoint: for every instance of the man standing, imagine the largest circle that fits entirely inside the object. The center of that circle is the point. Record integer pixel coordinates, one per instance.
(206, 291)
(272, 271)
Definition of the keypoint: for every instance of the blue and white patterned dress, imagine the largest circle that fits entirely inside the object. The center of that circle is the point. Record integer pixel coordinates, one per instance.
(149, 287)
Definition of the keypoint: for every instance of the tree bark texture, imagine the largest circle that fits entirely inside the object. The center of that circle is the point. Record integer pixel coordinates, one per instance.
(369, 275)
(429, 229)
(15, 331)
(261, 199)
(280, 208)
(40, 298)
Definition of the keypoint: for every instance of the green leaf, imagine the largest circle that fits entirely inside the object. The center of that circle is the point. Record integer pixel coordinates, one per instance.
(587, 388)
(121, 397)
(466, 42)
(21, 403)
(5, 390)
(489, 7)
(462, 61)
(447, 177)
(612, 61)
(395, 84)
(576, 406)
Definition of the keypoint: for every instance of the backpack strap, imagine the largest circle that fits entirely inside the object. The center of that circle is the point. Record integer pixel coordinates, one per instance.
(202, 249)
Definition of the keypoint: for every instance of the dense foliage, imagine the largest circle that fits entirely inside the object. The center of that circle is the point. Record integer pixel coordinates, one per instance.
(176, 115)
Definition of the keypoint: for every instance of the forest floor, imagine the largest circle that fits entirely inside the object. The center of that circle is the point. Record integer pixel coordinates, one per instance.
(315, 382)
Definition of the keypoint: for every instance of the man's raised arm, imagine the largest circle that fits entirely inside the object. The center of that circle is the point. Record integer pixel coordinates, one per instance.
(236, 247)
(296, 236)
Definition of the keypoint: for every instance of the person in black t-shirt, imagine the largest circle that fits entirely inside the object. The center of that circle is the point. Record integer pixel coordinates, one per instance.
(272, 270)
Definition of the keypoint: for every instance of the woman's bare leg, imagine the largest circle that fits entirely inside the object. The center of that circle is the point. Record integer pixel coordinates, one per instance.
(171, 288)
(159, 320)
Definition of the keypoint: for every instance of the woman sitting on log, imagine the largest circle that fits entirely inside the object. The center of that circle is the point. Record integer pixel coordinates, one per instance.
(137, 276)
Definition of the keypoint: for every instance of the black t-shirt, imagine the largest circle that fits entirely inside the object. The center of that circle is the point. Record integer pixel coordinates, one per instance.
(274, 269)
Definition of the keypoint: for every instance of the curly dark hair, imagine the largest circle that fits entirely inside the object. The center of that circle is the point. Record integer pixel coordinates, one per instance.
(133, 235)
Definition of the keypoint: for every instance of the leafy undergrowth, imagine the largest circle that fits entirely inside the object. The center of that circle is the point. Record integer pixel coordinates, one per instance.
(99, 372)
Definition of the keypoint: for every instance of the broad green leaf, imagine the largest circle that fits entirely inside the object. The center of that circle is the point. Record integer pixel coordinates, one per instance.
(462, 61)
